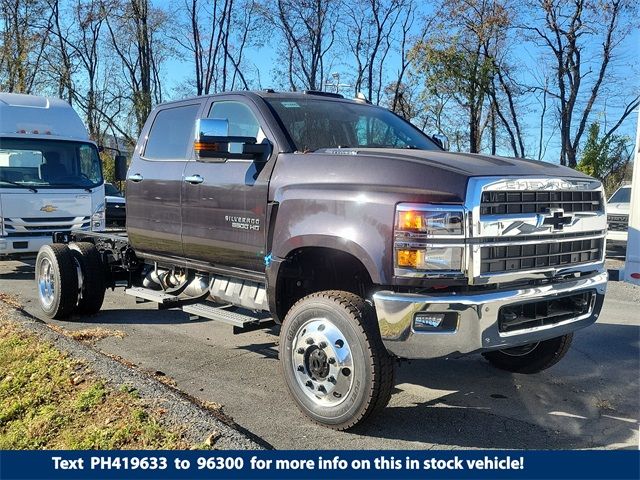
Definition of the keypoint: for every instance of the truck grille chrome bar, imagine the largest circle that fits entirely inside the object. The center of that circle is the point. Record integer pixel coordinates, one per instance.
(531, 256)
(538, 228)
(44, 227)
(501, 202)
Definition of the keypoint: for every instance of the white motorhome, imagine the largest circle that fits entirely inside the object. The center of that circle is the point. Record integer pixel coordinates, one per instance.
(50, 173)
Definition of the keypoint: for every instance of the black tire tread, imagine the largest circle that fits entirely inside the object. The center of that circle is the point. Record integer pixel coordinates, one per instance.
(62, 259)
(538, 360)
(382, 363)
(93, 287)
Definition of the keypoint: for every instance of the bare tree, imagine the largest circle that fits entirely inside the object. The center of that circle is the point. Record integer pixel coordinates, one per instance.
(369, 28)
(567, 30)
(407, 19)
(308, 28)
(215, 35)
(136, 31)
(26, 28)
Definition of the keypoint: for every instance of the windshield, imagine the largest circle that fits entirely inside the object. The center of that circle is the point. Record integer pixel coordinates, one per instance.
(111, 190)
(621, 196)
(39, 163)
(313, 124)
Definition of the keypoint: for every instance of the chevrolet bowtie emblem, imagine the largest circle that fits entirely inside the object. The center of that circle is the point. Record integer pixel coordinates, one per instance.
(556, 218)
(49, 208)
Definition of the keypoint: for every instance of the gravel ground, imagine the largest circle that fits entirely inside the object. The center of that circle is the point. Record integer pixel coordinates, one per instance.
(183, 413)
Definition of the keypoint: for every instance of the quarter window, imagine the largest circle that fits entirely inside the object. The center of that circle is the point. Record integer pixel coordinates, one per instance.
(171, 134)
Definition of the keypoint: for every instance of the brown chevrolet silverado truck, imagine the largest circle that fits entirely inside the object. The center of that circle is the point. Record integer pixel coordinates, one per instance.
(351, 229)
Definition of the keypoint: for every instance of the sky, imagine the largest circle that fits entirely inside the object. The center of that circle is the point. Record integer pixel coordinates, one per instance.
(625, 67)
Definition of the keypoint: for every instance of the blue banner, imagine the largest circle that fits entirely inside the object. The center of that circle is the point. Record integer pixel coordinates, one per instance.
(494, 464)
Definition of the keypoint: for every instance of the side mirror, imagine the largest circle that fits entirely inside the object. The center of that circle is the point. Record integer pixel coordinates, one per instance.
(213, 141)
(120, 164)
(441, 140)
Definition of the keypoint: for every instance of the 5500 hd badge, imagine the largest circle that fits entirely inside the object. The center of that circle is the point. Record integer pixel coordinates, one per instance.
(243, 223)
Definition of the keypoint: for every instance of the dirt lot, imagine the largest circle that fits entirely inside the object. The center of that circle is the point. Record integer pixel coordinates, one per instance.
(590, 399)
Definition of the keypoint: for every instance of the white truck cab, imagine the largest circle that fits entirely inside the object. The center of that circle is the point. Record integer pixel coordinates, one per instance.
(618, 209)
(50, 174)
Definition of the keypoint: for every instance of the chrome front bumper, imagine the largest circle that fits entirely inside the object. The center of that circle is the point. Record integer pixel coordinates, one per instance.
(476, 318)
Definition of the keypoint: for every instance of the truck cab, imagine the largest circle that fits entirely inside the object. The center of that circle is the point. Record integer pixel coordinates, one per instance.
(355, 232)
(50, 174)
(618, 208)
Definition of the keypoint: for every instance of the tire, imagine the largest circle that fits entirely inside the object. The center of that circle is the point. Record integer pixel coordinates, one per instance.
(537, 357)
(91, 294)
(56, 281)
(331, 387)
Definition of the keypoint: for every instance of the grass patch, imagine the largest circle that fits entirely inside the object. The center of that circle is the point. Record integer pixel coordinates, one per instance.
(50, 401)
(89, 335)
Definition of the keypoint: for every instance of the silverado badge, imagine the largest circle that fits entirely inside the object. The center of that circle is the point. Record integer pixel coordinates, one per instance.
(49, 208)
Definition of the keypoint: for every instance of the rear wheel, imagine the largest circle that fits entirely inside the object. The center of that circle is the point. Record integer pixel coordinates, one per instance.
(333, 359)
(531, 358)
(57, 280)
(92, 289)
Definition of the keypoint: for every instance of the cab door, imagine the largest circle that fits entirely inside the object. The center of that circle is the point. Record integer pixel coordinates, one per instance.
(224, 201)
(154, 181)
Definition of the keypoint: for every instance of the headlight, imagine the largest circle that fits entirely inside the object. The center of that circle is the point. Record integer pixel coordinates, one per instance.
(429, 240)
(431, 222)
(432, 258)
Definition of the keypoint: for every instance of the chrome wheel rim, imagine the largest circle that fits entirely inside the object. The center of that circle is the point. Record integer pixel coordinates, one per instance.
(46, 283)
(323, 363)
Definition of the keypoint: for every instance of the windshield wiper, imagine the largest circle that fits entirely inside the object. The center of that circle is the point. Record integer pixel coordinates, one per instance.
(17, 184)
(70, 185)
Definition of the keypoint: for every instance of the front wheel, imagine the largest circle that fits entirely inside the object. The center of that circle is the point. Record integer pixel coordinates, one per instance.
(333, 359)
(531, 358)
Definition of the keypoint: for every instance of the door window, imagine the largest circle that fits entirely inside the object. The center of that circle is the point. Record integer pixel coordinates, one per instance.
(172, 134)
(242, 122)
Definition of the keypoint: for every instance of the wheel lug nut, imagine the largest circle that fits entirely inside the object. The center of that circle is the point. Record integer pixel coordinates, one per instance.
(309, 384)
(309, 341)
(331, 379)
(300, 368)
(332, 360)
(322, 389)
(322, 344)
(301, 351)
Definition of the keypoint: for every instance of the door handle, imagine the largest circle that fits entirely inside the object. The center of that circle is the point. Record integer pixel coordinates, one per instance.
(136, 177)
(194, 179)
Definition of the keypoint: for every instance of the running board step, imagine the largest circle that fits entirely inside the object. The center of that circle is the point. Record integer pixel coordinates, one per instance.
(221, 315)
(159, 297)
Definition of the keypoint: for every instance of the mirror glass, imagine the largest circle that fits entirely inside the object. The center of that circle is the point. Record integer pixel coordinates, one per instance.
(212, 127)
(441, 140)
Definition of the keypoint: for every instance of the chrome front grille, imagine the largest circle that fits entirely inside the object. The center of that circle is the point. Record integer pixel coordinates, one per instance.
(533, 228)
(504, 202)
(510, 258)
(618, 223)
(44, 227)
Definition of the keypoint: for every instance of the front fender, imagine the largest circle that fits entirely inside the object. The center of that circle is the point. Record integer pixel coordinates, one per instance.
(355, 223)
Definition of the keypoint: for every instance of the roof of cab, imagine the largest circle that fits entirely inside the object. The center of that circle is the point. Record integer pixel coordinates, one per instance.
(33, 115)
(269, 94)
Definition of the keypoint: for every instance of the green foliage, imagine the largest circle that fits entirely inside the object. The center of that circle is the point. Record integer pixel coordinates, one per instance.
(108, 167)
(50, 401)
(605, 158)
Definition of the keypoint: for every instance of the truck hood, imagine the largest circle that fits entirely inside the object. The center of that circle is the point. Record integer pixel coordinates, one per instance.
(467, 164)
(621, 208)
(423, 175)
(44, 204)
